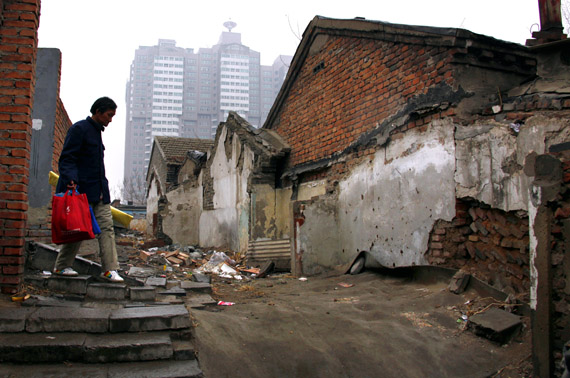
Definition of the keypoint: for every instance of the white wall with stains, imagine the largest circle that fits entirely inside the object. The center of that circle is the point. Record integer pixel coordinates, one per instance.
(387, 207)
(225, 226)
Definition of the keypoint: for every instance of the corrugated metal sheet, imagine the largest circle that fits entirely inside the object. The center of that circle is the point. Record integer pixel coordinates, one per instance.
(278, 251)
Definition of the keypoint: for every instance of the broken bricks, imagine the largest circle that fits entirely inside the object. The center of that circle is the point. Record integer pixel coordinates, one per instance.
(458, 282)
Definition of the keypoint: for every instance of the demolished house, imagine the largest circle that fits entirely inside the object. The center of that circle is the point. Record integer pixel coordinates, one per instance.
(404, 146)
(174, 161)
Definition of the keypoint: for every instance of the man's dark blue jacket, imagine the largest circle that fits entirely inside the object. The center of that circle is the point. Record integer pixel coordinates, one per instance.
(81, 160)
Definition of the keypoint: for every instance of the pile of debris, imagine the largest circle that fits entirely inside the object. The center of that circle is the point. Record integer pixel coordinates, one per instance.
(183, 261)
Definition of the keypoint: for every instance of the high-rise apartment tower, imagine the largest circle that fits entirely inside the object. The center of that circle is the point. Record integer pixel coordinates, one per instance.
(175, 91)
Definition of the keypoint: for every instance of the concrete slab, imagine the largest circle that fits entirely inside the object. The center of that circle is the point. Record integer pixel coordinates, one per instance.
(139, 272)
(142, 293)
(127, 347)
(43, 256)
(37, 280)
(107, 291)
(177, 291)
(58, 319)
(496, 325)
(200, 300)
(60, 370)
(198, 287)
(199, 277)
(183, 350)
(74, 285)
(156, 369)
(156, 281)
(13, 319)
(42, 301)
(54, 347)
(149, 319)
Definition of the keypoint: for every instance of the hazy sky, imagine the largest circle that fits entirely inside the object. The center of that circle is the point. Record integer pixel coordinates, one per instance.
(98, 38)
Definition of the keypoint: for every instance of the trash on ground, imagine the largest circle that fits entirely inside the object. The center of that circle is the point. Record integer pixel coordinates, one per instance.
(222, 269)
(222, 303)
(350, 299)
(20, 297)
(303, 279)
(344, 284)
(249, 270)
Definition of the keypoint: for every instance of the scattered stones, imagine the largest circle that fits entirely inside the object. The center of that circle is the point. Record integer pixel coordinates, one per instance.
(459, 282)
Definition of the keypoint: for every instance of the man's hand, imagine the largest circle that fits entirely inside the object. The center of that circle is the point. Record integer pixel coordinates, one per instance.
(71, 185)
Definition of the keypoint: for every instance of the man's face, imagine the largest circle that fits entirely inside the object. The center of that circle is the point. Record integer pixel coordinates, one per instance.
(104, 118)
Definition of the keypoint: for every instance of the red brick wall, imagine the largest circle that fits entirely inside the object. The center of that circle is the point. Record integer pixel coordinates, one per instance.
(62, 125)
(18, 48)
(489, 243)
(362, 83)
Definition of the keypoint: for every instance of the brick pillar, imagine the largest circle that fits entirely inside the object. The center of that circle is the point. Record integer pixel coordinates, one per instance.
(19, 20)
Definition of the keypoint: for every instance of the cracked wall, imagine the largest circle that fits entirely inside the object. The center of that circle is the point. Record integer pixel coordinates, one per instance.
(227, 223)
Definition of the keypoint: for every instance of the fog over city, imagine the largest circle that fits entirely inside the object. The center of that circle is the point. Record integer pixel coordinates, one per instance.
(98, 39)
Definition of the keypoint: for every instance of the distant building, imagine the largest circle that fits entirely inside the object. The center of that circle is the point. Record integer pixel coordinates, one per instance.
(174, 91)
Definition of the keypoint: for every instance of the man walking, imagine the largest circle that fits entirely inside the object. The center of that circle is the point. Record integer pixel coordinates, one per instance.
(81, 167)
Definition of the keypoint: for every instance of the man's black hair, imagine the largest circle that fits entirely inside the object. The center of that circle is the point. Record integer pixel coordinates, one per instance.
(103, 104)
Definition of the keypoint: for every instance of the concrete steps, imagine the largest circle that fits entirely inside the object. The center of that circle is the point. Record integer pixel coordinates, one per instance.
(93, 320)
(85, 327)
(149, 369)
(93, 348)
(105, 342)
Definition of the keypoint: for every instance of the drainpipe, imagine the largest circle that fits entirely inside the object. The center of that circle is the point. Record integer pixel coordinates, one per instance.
(551, 29)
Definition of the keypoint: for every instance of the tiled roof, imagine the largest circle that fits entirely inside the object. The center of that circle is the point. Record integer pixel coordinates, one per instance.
(174, 149)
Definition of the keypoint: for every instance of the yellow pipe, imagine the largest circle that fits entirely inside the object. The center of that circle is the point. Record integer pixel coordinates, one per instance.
(118, 215)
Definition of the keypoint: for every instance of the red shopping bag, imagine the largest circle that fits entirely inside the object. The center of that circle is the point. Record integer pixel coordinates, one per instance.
(70, 218)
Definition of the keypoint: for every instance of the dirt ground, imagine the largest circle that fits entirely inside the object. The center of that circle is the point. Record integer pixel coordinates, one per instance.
(380, 326)
(375, 324)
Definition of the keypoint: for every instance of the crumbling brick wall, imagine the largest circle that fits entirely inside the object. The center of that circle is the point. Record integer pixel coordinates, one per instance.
(491, 244)
(18, 47)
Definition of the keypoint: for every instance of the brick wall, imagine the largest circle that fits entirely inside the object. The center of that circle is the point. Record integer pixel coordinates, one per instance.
(18, 48)
(489, 243)
(351, 88)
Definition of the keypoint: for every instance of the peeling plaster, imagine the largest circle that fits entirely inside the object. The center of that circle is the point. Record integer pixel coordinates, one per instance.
(227, 225)
(533, 244)
(388, 207)
(489, 168)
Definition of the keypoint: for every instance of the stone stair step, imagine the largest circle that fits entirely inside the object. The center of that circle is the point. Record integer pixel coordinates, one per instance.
(74, 285)
(92, 348)
(61, 319)
(94, 320)
(142, 293)
(196, 287)
(43, 258)
(113, 291)
(148, 369)
(34, 348)
(136, 319)
(183, 350)
(128, 347)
